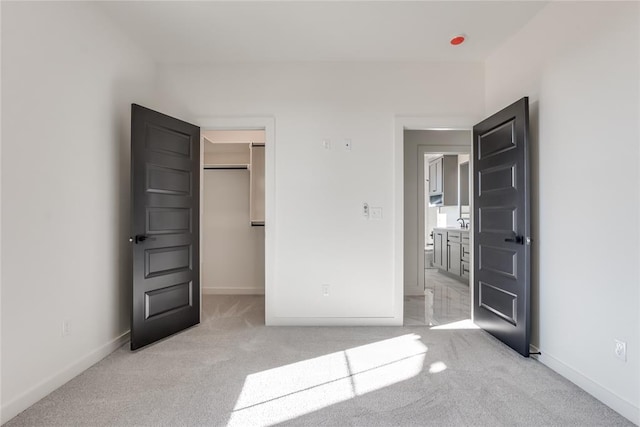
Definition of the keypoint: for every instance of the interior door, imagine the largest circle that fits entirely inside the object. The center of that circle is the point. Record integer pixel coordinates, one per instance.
(501, 226)
(165, 160)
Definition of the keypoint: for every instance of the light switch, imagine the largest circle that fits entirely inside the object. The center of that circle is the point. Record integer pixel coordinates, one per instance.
(376, 213)
(347, 145)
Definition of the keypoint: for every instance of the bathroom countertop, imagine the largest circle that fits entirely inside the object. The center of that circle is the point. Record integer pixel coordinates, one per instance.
(465, 230)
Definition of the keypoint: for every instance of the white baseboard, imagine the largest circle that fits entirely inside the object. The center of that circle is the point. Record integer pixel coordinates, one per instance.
(606, 396)
(334, 321)
(37, 392)
(412, 293)
(233, 291)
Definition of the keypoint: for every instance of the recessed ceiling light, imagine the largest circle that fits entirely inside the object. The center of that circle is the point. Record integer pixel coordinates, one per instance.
(457, 40)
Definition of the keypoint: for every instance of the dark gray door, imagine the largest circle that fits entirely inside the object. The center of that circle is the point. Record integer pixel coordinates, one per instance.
(501, 226)
(165, 160)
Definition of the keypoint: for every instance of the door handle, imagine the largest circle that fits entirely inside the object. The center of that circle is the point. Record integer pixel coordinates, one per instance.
(516, 239)
(141, 238)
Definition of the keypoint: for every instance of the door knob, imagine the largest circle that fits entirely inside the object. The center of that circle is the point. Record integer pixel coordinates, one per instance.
(516, 239)
(141, 238)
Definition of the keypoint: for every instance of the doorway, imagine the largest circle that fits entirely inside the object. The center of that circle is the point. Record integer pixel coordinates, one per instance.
(233, 240)
(447, 219)
(260, 220)
(437, 227)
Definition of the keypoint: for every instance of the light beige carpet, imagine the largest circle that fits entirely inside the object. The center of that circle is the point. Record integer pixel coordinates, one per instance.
(232, 370)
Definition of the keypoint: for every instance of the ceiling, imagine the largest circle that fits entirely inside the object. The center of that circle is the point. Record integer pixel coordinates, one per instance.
(248, 31)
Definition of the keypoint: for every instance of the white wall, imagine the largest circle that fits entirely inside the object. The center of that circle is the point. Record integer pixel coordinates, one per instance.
(322, 238)
(584, 91)
(232, 250)
(68, 78)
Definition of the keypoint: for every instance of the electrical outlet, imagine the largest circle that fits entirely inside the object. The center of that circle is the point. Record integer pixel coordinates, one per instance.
(325, 290)
(326, 144)
(365, 210)
(620, 350)
(66, 328)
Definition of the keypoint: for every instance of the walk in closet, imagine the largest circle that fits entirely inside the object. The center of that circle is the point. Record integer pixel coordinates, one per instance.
(233, 212)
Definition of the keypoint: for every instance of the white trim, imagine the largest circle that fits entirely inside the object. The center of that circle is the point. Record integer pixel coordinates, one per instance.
(53, 382)
(603, 394)
(232, 291)
(200, 225)
(268, 124)
(402, 123)
(337, 321)
(413, 293)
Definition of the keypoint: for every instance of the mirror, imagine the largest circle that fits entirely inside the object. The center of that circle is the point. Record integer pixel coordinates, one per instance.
(463, 187)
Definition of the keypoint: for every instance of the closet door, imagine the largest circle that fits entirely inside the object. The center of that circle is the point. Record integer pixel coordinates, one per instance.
(165, 164)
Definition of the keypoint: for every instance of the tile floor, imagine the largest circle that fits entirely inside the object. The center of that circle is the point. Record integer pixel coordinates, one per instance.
(446, 300)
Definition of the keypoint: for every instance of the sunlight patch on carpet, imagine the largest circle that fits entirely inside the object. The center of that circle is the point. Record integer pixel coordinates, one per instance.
(289, 391)
(437, 367)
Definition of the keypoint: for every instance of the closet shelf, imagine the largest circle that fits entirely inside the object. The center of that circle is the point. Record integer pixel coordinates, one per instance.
(249, 156)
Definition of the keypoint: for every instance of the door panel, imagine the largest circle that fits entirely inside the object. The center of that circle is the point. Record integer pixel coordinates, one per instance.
(440, 250)
(500, 302)
(498, 260)
(496, 140)
(168, 220)
(165, 164)
(501, 226)
(497, 219)
(438, 186)
(497, 179)
(453, 262)
(168, 181)
(433, 178)
(167, 260)
(168, 299)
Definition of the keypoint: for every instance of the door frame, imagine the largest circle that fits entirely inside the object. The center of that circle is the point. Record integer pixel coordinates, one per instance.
(267, 124)
(402, 123)
(424, 149)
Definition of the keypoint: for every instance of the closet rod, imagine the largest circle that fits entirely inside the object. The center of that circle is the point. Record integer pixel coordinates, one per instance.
(226, 167)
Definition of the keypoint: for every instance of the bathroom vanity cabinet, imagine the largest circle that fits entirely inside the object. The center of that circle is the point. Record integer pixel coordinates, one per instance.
(451, 252)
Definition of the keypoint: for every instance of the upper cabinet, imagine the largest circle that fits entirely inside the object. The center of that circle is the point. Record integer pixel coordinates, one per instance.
(435, 177)
(443, 181)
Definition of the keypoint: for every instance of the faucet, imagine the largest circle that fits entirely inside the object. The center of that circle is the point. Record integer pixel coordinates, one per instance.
(462, 224)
